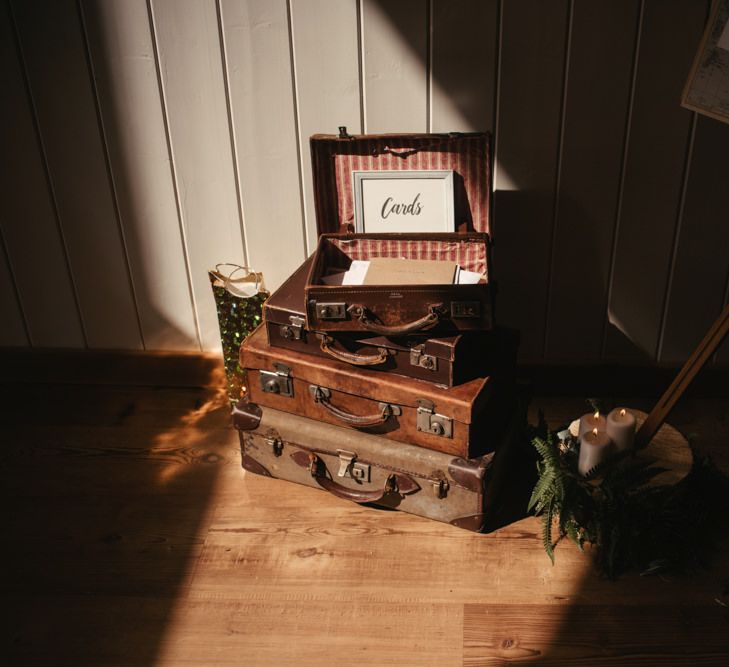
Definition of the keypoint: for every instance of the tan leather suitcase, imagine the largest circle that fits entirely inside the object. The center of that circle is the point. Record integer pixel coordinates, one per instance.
(479, 494)
(395, 310)
(464, 421)
(444, 360)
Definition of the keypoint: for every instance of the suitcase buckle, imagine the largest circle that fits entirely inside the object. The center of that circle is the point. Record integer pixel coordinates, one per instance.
(349, 467)
(428, 421)
(427, 361)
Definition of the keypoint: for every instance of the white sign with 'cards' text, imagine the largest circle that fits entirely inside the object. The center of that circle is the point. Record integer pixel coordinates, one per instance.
(403, 201)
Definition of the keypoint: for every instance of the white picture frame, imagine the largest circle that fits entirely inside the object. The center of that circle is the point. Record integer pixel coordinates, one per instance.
(408, 201)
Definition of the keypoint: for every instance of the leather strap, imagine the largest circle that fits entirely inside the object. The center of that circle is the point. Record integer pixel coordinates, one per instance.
(353, 357)
(429, 320)
(347, 417)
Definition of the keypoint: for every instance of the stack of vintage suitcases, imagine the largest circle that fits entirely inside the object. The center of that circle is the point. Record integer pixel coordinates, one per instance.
(399, 395)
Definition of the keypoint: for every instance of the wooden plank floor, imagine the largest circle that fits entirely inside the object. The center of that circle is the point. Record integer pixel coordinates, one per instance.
(132, 537)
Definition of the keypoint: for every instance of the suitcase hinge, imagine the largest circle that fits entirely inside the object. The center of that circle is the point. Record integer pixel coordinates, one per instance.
(350, 467)
(278, 381)
(427, 420)
(427, 361)
(293, 331)
(276, 444)
(440, 488)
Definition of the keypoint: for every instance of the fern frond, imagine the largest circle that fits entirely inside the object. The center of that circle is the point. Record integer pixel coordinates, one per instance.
(547, 532)
(542, 489)
(547, 451)
(574, 534)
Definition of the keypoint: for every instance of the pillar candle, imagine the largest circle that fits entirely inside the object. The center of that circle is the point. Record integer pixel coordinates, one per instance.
(621, 428)
(589, 422)
(594, 448)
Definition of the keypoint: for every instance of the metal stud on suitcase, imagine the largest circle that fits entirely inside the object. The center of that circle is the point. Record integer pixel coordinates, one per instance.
(480, 494)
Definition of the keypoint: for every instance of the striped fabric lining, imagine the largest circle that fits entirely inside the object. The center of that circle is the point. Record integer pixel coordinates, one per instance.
(466, 156)
(469, 255)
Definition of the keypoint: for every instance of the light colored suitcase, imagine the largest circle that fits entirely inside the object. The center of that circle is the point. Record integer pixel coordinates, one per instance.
(479, 494)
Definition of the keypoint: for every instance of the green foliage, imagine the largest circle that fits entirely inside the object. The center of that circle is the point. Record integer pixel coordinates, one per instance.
(632, 526)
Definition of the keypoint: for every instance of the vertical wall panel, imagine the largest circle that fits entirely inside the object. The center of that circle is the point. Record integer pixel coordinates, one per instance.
(54, 51)
(395, 57)
(27, 213)
(654, 173)
(188, 42)
(530, 101)
(123, 62)
(264, 123)
(702, 262)
(464, 51)
(327, 80)
(12, 329)
(722, 355)
(597, 102)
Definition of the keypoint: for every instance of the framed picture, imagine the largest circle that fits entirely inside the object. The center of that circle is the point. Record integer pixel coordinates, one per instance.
(707, 88)
(403, 201)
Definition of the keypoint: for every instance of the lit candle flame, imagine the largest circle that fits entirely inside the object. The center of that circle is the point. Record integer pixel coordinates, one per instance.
(597, 414)
(622, 412)
(594, 431)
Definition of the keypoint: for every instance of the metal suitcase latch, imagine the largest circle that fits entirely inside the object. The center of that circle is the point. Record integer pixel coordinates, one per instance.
(293, 331)
(462, 309)
(278, 381)
(427, 420)
(331, 311)
(427, 361)
(276, 444)
(440, 488)
(349, 467)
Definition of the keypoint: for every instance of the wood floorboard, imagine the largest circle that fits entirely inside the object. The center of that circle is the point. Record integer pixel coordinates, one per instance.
(133, 537)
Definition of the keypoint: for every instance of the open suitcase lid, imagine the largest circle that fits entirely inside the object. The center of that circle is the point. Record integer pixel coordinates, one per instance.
(334, 157)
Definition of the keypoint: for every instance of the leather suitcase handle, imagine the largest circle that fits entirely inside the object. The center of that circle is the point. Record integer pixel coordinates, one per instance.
(321, 396)
(353, 357)
(359, 312)
(394, 483)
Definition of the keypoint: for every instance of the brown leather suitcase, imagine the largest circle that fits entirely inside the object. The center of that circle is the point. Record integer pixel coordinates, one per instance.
(446, 360)
(479, 494)
(465, 421)
(397, 310)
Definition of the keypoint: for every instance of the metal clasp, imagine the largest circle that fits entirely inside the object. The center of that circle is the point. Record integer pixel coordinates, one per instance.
(418, 358)
(331, 311)
(428, 421)
(465, 309)
(278, 381)
(349, 467)
(294, 330)
(440, 488)
(276, 444)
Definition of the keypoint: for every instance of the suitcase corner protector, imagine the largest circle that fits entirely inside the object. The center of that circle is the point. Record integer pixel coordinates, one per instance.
(473, 522)
(246, 416)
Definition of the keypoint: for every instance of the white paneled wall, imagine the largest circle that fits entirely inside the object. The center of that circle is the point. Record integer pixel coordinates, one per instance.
(144, 141)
